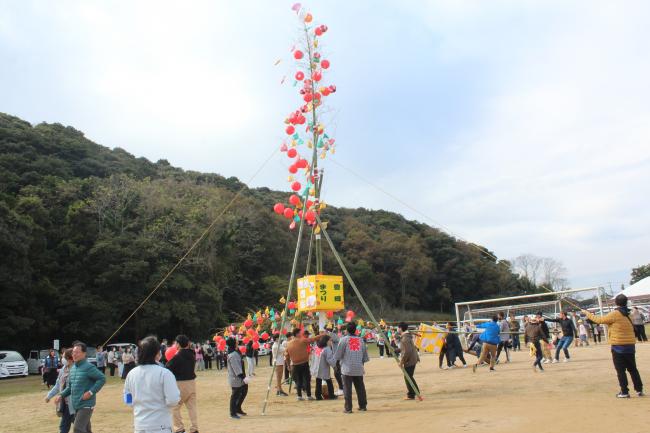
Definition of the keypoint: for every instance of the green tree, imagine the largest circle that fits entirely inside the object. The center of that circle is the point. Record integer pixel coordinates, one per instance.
(640, 273)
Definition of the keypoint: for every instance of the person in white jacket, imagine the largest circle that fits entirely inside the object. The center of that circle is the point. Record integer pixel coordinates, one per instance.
(151, 389)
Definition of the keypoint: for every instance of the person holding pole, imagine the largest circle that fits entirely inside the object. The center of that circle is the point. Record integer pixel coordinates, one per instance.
(409, 359)
(622, 339)
(490, 340)
(535, 335)
(298, 352)
(352, 353)
(337, 368)
(569, 332)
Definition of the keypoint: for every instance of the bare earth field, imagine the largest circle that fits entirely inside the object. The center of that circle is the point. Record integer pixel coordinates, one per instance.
(576, 396)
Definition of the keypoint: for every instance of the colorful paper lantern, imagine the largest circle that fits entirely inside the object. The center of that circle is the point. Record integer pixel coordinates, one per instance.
(278, 208)
(170, 352)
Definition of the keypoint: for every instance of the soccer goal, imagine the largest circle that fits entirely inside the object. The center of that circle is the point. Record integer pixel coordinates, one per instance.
(549, 303)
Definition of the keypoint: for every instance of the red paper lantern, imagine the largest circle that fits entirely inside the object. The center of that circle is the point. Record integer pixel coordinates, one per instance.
(301, 163)
(310, 216)
(242, 350)
(291, 153)
(290, 130)
(248, 323)
(325, 64)
(309, 203)
(325, 91)
(318, 31)
(170, 352)
(222, 345)
(291, 305)
(296, 186)
(297, 54)
(293, 169)
(329, 314)
(288, 213)
(265, 336)
(294, 200)
(308, 97)
(300, 75)
(278, 208)
(256, 345)
(246, 340)
(317, 76)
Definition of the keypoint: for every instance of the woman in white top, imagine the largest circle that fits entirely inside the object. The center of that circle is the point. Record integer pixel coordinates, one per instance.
(277, 351)
(129, 362)
(151, 390)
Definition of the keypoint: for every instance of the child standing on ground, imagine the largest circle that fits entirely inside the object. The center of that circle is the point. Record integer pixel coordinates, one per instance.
(582, 331)
(323, 359)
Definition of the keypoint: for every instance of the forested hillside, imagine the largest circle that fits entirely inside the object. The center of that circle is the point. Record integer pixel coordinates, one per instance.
(86, 232)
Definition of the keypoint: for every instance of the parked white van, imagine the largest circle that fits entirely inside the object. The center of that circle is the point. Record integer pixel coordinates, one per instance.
(36, 360)
(12, 364)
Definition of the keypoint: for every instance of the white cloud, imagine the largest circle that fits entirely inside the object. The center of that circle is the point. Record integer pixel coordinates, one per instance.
(546, 149)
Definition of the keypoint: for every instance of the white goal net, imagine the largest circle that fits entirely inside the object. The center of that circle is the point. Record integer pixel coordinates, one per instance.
(550, 304)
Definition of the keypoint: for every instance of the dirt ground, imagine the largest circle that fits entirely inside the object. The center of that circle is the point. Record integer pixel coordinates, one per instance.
(576, 396)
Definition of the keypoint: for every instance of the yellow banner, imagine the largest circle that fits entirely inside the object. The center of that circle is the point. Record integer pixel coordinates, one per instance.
(320, 293)
(430, 339)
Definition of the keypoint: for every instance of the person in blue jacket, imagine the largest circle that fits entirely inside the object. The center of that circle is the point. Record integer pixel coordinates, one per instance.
(490, 340)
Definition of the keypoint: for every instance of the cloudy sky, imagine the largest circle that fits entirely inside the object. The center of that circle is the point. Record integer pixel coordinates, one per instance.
(520, 125)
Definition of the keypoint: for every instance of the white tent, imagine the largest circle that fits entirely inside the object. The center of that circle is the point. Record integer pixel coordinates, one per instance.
(640, 288)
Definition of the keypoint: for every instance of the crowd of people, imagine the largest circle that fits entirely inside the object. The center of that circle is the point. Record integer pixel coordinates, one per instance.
(158, 388)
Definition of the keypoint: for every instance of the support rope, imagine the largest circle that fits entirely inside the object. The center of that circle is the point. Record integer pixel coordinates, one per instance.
(194, 245)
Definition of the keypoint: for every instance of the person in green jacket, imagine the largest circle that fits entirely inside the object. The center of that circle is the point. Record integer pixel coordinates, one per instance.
(84, 383)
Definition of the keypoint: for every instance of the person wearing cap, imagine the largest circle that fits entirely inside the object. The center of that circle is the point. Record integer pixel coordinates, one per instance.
(621, 337)
(534, 335)
(546, 352)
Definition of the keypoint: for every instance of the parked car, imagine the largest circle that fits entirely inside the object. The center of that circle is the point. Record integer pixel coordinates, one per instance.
(120, 346)
(91, 355)
(264, 349)
(12, 364)
(36, 360)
